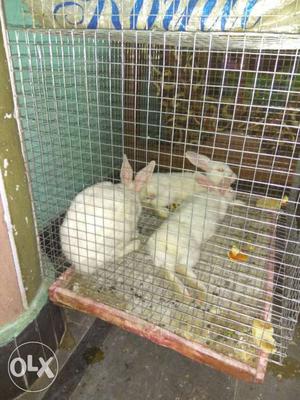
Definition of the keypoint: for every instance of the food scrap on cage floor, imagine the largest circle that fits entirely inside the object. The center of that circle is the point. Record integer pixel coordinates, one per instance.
(234, 254)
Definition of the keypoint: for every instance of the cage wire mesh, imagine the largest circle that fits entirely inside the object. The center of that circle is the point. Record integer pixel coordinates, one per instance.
(87, 97)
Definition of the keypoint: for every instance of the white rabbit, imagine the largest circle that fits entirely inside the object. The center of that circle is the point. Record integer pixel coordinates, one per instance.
(166, 189)
(175, 246)
(100, 224)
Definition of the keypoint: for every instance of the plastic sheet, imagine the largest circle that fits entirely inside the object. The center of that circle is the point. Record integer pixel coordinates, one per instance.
(169, 15)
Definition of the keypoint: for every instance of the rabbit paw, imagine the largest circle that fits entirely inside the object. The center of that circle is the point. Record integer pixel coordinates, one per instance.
(198, 289)
(163, 212)
(131, 246)
(239, 203)
(136, 244)
(201, 295)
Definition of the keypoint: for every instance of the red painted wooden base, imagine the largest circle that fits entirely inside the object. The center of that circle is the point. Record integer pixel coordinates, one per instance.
(61, 295)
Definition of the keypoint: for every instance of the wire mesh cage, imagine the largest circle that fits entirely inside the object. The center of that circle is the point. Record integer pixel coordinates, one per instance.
(203, 255)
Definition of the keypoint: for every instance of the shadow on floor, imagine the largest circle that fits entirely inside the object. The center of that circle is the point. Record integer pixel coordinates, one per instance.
(133, 368)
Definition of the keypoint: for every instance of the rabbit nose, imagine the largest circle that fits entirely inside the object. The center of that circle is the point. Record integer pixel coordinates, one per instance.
(151, 196)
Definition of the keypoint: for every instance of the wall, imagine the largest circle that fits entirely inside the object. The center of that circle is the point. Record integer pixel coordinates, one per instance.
(10, 298)
(16, 186)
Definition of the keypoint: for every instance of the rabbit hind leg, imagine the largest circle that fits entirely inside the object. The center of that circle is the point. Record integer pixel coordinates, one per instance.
(192, 281)
(129, 247)
(163, 212)
(180, 287)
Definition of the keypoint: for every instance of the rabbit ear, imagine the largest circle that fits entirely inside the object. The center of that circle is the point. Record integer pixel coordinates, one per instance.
(143, 176)
(199, 160)
(203, 180)
(126, 173)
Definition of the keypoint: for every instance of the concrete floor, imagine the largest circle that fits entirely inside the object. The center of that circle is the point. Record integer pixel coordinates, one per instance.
(133, 368)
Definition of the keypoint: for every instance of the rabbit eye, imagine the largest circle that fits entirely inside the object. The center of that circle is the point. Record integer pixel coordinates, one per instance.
(221, 169)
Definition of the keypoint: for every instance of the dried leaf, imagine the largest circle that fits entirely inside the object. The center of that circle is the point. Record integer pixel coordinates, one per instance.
(236, 255)
(272, 204)
(285, 200)
(262, 332)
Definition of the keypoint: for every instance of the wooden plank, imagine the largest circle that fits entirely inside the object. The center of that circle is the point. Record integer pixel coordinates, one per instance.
(261, 168)
(61, 295)
(246, 144)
